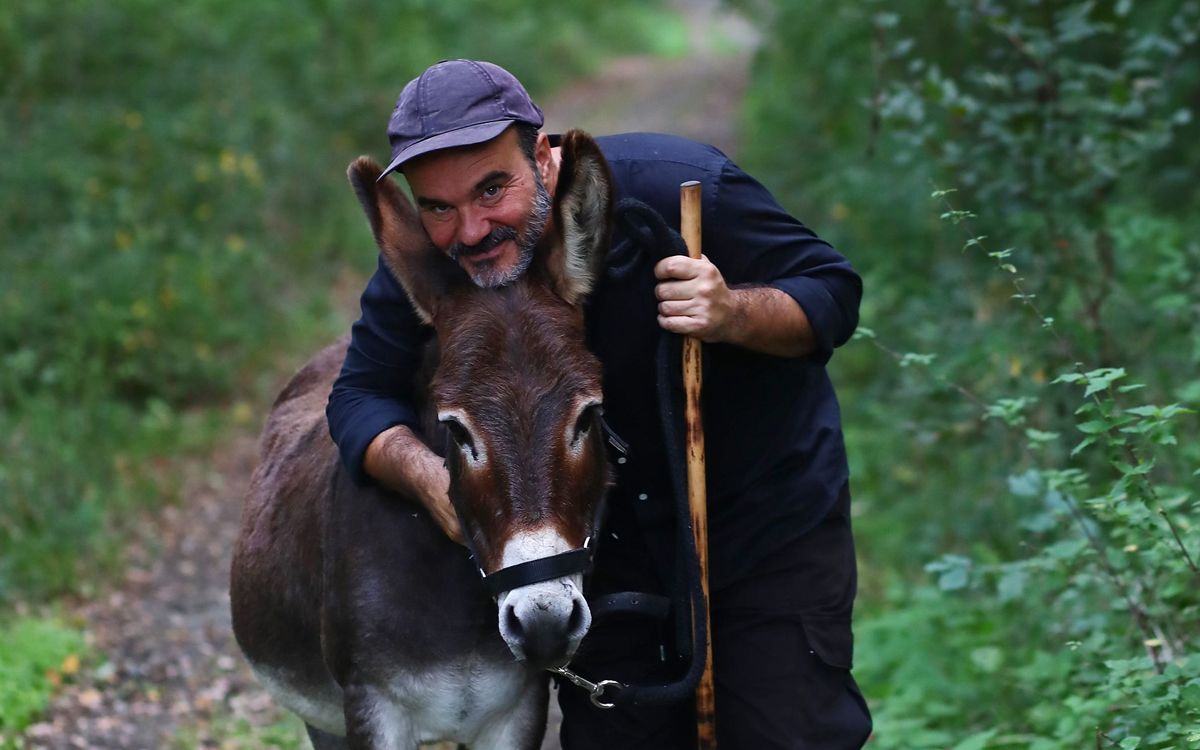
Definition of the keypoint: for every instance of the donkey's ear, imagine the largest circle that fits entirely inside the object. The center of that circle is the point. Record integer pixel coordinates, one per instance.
(424, 272)
(583, 206)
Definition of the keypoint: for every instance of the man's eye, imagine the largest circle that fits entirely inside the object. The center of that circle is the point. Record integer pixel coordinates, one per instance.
(491, 191)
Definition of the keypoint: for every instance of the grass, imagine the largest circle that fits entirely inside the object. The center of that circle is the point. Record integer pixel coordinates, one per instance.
(37, 654)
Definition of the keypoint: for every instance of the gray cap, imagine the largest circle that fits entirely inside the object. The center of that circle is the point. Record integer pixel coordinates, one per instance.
(456, 103)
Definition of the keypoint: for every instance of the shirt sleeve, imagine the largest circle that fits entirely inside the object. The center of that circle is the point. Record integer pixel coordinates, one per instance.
(375, 388)
(754, 240)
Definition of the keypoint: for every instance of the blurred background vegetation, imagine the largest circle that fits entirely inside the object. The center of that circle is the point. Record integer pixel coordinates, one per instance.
(1017, 182)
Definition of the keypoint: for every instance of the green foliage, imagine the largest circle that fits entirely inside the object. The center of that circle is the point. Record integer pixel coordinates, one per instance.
(175, 213)
(1021, 422)
(35, 655)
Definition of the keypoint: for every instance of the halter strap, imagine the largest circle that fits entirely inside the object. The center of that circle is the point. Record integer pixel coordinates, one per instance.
(541, 569)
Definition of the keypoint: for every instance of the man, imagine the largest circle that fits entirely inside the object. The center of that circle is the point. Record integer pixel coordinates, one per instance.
(770, 299)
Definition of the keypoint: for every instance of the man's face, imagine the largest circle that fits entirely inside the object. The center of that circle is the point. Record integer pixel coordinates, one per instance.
(484, 205)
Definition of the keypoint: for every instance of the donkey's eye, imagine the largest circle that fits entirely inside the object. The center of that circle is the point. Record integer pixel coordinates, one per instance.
(584, 423)
(460, 436)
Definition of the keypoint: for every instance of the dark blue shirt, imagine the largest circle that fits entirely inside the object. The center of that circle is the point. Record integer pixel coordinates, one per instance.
(776, 459)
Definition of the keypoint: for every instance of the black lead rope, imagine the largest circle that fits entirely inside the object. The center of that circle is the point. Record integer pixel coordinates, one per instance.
(647, 229)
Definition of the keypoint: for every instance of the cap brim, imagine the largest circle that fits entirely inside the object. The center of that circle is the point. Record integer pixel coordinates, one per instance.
(468, 135)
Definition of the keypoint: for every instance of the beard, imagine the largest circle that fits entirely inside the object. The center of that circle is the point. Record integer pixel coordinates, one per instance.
(489, 273)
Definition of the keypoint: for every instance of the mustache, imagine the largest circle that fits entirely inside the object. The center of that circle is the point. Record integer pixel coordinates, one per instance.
(494, 238)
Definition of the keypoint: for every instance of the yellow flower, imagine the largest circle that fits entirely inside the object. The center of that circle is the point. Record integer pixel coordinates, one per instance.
(235, 243)
(250, 170)
(229, 161)
(839, 212)
(70, 665)
(123, 239)
(243, 413)
(133, 120)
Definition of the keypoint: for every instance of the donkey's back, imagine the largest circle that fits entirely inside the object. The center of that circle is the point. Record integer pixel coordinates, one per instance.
(276, 587)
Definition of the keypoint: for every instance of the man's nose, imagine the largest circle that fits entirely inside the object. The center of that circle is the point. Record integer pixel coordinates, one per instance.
(473, 227)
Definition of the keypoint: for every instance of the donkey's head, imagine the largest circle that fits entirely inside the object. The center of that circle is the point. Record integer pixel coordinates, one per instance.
(517, 391)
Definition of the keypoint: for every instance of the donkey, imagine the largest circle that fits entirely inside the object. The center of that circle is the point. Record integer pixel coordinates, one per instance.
(352, 607)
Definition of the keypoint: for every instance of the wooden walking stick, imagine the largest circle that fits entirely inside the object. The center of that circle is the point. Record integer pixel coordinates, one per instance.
(706, 715)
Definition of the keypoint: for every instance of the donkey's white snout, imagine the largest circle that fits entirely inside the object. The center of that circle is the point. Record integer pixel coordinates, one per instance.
(543, 623)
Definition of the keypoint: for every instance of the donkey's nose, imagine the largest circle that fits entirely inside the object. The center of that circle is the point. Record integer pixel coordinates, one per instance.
(544, 623)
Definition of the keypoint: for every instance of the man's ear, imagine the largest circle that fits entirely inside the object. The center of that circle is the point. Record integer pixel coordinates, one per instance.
(543, 156)
(583, 204)
(424, 272)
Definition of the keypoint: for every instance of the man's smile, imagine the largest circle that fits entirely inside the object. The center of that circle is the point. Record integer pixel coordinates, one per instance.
(487, 255)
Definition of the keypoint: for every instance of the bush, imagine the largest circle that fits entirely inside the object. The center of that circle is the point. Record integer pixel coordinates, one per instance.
(1024, 455)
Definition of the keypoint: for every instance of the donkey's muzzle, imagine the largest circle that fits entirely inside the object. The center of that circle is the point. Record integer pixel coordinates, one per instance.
(543, 623)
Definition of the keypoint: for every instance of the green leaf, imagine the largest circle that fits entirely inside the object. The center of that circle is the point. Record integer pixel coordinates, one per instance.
(1145, 411)
(956, 217)
(1094, 427)
(1129, 470)
(1038, 436)
(953, 579)
(977, 741)
(1129, 743)
(913, 358)
(1100, 379)
(887, 21)
(1012, 585)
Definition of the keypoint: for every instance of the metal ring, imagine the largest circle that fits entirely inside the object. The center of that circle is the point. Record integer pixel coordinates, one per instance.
(598, 691)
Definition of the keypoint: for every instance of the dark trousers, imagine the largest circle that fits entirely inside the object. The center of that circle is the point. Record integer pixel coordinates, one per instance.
(782, 651)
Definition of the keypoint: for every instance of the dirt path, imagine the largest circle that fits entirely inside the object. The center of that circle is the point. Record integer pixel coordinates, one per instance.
(173, 677)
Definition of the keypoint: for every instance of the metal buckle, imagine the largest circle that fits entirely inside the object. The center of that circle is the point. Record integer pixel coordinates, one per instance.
(595, 689)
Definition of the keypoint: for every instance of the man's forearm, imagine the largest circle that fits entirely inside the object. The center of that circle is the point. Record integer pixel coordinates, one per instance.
(398, 460)
(694, 300)
(767, 320)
